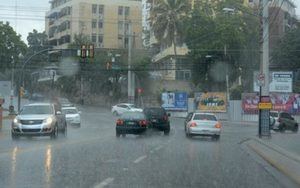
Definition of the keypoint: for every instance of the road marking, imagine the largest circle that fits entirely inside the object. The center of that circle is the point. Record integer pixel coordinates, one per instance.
(104, 183)
(140, 159)
(158, 148)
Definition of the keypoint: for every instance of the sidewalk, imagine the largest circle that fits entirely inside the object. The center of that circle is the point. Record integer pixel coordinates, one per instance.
(285, 160)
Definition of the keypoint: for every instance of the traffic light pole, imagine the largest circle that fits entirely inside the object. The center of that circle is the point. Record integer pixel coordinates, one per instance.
(130, 73)
(21, 81)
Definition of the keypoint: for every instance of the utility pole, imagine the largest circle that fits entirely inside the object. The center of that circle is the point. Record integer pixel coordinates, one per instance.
(130, 73)
(265, 102)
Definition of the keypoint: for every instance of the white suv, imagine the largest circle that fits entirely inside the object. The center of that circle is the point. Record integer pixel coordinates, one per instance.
(124, 107)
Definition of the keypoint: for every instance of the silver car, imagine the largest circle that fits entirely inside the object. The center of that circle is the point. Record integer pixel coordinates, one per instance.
(39, 119)
(203, 124)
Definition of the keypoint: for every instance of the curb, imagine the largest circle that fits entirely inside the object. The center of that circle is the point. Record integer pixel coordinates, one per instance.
(284, 161)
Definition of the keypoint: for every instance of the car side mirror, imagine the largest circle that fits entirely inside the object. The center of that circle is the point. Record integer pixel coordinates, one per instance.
(58, 113)
(292, 118)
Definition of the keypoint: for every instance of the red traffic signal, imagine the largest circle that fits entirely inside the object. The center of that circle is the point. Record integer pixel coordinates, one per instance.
(140, 90)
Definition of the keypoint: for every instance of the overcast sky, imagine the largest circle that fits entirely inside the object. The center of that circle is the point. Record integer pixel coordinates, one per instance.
(26, 15)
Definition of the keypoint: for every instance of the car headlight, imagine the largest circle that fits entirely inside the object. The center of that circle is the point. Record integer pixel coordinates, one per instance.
(48, 120)
(16, 120)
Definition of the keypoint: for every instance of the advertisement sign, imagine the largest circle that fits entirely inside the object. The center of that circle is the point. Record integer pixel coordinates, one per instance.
(174, 100)
(281, 82)
(211, 101)
(288, 102)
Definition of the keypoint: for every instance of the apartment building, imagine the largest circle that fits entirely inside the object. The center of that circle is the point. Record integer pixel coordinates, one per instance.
(106, 22)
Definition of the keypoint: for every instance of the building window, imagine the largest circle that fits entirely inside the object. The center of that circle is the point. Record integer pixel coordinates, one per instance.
(120, 11)
(126, 42)
(100, 40)
(94, 24)
(120, 26)
(94, 9)
(127, 27)
(100, 24)
(101, 9)
(94, 38)
(127, 11)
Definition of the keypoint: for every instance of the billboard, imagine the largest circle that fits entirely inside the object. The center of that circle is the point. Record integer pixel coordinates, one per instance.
(211, 102)
(288, 102)
(174, 101)
(281, 82)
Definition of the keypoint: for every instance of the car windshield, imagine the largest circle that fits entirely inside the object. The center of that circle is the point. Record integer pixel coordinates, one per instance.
(168, 93)
(154, 111)
(274, 114)
(69, 111)
(204, 117)
(133, 116)
(38, 109)
(132, 106)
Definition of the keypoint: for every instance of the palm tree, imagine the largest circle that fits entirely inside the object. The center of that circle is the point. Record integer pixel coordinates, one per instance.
(167, 20)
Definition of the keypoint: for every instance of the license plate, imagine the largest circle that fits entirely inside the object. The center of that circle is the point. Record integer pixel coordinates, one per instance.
(205, 130)
(130, 123)
(154, 120)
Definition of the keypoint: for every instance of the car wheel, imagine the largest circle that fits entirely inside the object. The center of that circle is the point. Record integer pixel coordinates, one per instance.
(118, 134)
(216, 137)
(282, 128)
(54, 133)
(166, 132)
(14, 136)
(115, 113)
(295, 130)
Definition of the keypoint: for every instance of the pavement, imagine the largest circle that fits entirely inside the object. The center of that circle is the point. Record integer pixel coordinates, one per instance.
(92, 156)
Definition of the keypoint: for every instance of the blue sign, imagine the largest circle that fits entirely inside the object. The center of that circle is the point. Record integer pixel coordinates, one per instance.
(176, 101)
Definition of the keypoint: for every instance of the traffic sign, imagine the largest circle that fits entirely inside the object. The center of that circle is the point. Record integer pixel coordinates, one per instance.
(261, 79)
(264, 105)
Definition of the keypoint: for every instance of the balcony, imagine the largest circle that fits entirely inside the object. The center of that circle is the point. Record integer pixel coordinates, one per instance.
(181, 51)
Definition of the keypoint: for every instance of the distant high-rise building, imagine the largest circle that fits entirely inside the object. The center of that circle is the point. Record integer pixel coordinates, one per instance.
(105, 22)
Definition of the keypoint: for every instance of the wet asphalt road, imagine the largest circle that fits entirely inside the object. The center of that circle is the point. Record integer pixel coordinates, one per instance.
(92, 156)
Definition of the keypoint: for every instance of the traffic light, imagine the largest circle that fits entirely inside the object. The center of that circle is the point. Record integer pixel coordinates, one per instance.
(22, 91)
(91, 51)
(83, 51)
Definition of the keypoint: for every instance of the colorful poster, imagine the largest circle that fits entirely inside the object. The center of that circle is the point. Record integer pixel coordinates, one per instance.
(287, 102)
(174, 100)
(211, 102)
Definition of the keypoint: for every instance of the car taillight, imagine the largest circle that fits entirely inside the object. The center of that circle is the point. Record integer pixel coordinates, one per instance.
(193, 124)
(218, 125)
(143, 123)
(120, 122)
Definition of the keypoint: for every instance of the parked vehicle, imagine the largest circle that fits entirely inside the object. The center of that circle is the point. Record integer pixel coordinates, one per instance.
(38, 119)
(72, 115)
(124, 107)
(158, 119)
(282, 121)
(64, 102)
(131, 123)
(203, 124)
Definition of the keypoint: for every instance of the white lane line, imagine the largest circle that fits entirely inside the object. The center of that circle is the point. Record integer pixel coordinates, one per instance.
(158, 148)
(140, 159)
(104, 183)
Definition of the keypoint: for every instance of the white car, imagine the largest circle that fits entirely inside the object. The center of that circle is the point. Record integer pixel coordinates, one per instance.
(72, 115)
(124, 107)
(203, 124)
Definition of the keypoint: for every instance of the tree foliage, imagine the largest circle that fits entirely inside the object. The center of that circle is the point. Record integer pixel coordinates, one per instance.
(220, 42)
(167, 19)
(287, 54)
(11, 46)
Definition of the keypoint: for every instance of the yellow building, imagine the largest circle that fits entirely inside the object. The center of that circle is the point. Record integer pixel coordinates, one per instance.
(106, 22)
